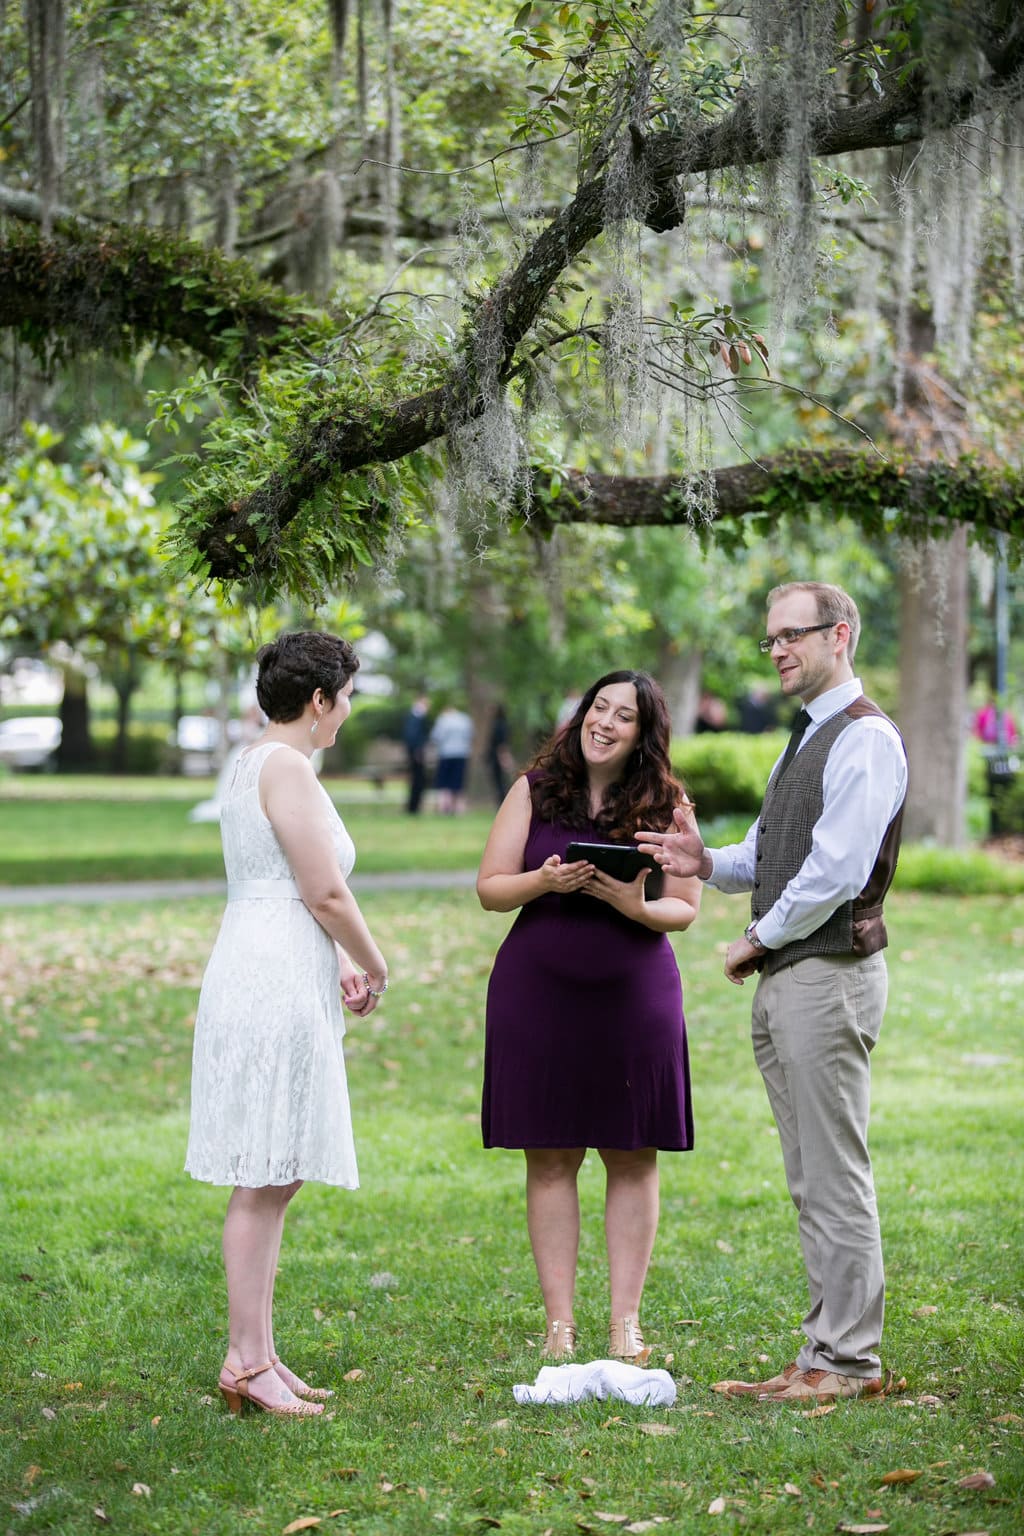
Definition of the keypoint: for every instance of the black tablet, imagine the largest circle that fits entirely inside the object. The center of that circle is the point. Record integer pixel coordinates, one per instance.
(619, 861)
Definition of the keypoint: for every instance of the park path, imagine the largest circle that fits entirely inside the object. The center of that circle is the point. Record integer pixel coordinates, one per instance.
(172, 890)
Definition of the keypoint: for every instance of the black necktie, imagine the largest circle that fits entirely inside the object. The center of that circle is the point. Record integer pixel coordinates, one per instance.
(800, 725)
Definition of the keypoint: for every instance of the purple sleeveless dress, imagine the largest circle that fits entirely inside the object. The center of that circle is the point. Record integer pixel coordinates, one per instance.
(586, 1041)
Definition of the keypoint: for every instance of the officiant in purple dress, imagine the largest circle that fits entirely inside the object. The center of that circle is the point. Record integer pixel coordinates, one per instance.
(586, 1041)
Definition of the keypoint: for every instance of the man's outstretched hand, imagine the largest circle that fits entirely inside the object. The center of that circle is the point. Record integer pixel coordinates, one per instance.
(680, 852)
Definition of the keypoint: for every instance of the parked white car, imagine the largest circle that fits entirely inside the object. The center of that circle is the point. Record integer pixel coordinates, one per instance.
(29, 742)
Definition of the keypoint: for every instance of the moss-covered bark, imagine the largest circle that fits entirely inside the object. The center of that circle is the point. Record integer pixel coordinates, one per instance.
(913, 498)
(86, 291)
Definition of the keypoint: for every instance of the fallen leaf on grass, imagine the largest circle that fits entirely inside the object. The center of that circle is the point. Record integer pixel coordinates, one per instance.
(793, 1489)
(819, 1412)
(1008, 1418)
(929, 1400)
(862, 1530)
(30, 1475)
(645, 1525)
(345, 1473)
(900, 1475)
(657, 1429)
(49, 1413)
(977, 1480)
(602, 1514)
(354, 1375)
(143, 1490)
(101, 1516)
(305, 1524)
(717, 1506)
(722, 1245)
(925, 1311)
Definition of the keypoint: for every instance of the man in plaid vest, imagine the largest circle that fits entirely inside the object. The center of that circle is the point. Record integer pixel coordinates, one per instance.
(817, 863)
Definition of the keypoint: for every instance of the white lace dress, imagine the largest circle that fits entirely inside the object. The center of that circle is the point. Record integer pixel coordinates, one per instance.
(269, 1091)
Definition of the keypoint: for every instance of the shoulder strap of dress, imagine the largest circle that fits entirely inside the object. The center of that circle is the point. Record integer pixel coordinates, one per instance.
(247, 769)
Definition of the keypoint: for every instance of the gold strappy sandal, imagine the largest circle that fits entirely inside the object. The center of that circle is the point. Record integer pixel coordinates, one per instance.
(626, 1342)
(310, 1394)
(238, 1393)
(560, 1343)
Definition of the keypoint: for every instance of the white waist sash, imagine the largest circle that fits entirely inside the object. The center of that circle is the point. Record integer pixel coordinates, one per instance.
(263, 890)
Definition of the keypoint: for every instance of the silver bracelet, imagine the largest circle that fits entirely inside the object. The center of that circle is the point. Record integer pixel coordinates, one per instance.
(371, 990)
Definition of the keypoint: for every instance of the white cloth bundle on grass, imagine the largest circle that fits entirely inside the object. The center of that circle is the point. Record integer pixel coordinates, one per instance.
(600, 1379)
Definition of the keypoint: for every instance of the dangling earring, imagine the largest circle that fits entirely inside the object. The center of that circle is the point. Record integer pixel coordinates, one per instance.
(312, 729)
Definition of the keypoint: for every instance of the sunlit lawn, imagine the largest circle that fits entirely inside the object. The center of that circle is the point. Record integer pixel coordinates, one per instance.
(111, 1296)
(58, 830)
(55, 830)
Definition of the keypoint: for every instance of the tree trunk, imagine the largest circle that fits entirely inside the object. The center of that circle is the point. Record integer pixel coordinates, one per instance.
(75, 753)
(933, 691)
(678, 672)
(119, 756)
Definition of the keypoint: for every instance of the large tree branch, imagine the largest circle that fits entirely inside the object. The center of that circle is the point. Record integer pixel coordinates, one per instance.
(340, 443)
(114, 289)
(912, 497)
(111, 290)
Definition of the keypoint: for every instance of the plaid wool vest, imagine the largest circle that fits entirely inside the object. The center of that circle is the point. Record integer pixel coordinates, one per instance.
(793, 802)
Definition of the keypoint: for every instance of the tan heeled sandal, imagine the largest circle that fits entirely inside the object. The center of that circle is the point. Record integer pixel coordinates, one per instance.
(309, 1394)
(238, 1393)
(626, 1342)
(560, 1343)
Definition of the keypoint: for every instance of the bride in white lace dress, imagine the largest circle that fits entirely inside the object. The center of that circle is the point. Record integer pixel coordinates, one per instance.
(269, 1093)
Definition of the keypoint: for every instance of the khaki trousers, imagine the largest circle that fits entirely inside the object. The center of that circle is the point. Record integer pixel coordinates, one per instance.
(815, 1023)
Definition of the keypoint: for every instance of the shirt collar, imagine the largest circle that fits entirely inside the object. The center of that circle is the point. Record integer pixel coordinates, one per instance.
(828, 704)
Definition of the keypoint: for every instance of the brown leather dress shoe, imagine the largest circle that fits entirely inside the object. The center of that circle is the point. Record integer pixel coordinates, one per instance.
(828, 1386)
(757, 1388)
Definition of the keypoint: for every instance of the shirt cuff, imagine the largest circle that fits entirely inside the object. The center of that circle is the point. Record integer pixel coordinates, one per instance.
(769, 931)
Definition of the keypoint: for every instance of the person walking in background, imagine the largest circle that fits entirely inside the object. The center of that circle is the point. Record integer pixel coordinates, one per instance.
(995, 726)
(415, 735)
(757, 711)
(818, 862)
(712, 715)
(585, 1039)
(452, 739)
(499, 756)
(269, 1092)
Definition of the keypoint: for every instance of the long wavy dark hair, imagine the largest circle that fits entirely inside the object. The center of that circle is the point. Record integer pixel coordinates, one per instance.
(648, 790)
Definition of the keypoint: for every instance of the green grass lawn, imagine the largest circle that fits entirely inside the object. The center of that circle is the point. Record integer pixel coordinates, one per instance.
(416, 1296)
(53, 831)
(57, 830)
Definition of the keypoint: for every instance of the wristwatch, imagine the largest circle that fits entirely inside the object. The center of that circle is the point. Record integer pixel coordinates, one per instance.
(750, 934)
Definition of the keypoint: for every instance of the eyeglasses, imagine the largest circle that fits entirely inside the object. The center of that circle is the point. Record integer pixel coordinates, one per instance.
(787, 636)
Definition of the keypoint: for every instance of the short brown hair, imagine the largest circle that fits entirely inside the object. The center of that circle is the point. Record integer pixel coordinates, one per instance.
(294, 666)
(833, 604)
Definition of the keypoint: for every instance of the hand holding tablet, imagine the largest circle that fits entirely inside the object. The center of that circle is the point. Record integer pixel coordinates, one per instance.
(621, 862)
